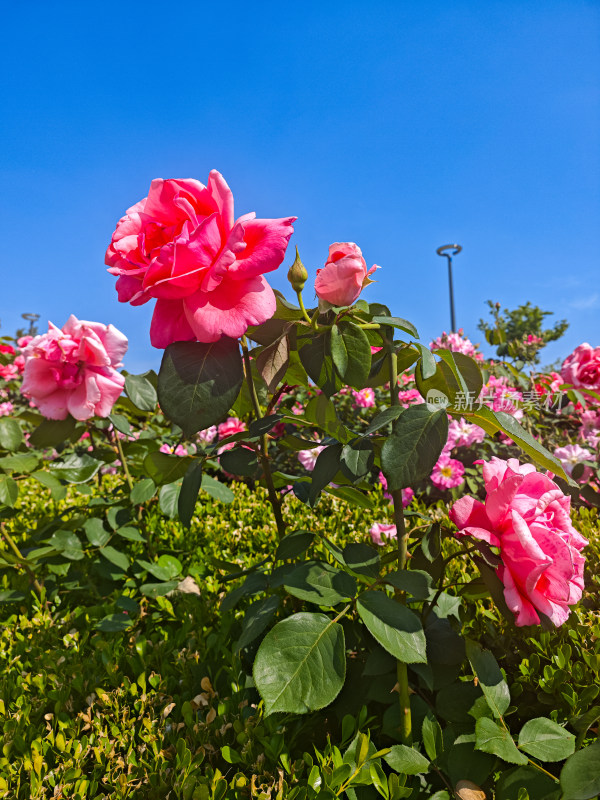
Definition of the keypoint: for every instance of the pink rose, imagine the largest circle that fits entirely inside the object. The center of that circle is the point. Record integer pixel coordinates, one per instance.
(527, 517)
(582, 368)
(344, 275)
(381, 533)
(74, 370)
(182, 246)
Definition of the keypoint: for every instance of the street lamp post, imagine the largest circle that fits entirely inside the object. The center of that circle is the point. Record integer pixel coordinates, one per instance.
(456, 248)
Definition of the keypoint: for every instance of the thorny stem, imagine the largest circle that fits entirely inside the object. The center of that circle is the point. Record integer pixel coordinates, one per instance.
(22, 559)
(264, 443)
(401, 668)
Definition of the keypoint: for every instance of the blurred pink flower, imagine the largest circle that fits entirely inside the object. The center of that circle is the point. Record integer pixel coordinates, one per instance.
(182, 246)
(409, 397)
(365, 398)
(230, 427)
(381, 533)
(6, 409)
(447, 473)
(572, 454)
(464, 434)
(208, 435)
(458, 343)
(527, 517)
(73, 370)
(407, 494)
(308, 458)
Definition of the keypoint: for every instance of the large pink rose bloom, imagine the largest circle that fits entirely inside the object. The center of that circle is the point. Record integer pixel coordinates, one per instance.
(344, 275)
(182, 246)
(582, 368)
(74, 370)
(528, 518)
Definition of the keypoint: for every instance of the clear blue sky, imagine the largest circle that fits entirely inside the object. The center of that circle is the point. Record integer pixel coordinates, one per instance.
(398, 125)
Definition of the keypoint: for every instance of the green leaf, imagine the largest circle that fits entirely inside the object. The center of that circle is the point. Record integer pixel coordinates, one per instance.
(9, 491)
(170, 566)
(491, 738)
(96, 533)
(166, 468)
(121, 423)
(431, 733)
(415, 582)
(358, 355)
(406, 760)
(141, 392)
(188, 496)
(411, 452)
(113, 623)
(325, 470)
(142, 491)
(384, 418)
(198, 383)
(67, 543)
(395, 627)
(321, 411)
(427, 364)
(357, 459)
(490, 679)
(361, 558)
(47, 479)
(580, 776)
(168, 499)
(257, 619)
(239, 461)
(21, 464)
(217, 490)
(494, 421)
(294, 544)
(75, 468)
(165, 569)
(52, 432)
(300, 665)
(318, 363)
(158, 589)
(397, 322)
(115, 557)
(351, 495)
(273, 361)
(11, 434)
(544, 739)
(339, 353)
(261, 426)
(512, 782)
(130, 533)
(320, 583)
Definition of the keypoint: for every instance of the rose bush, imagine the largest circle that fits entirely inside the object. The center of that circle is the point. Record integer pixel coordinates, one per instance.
(182, 246)
(73, 369)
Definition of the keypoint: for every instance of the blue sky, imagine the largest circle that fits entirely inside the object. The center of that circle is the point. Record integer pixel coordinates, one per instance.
(398, 125)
